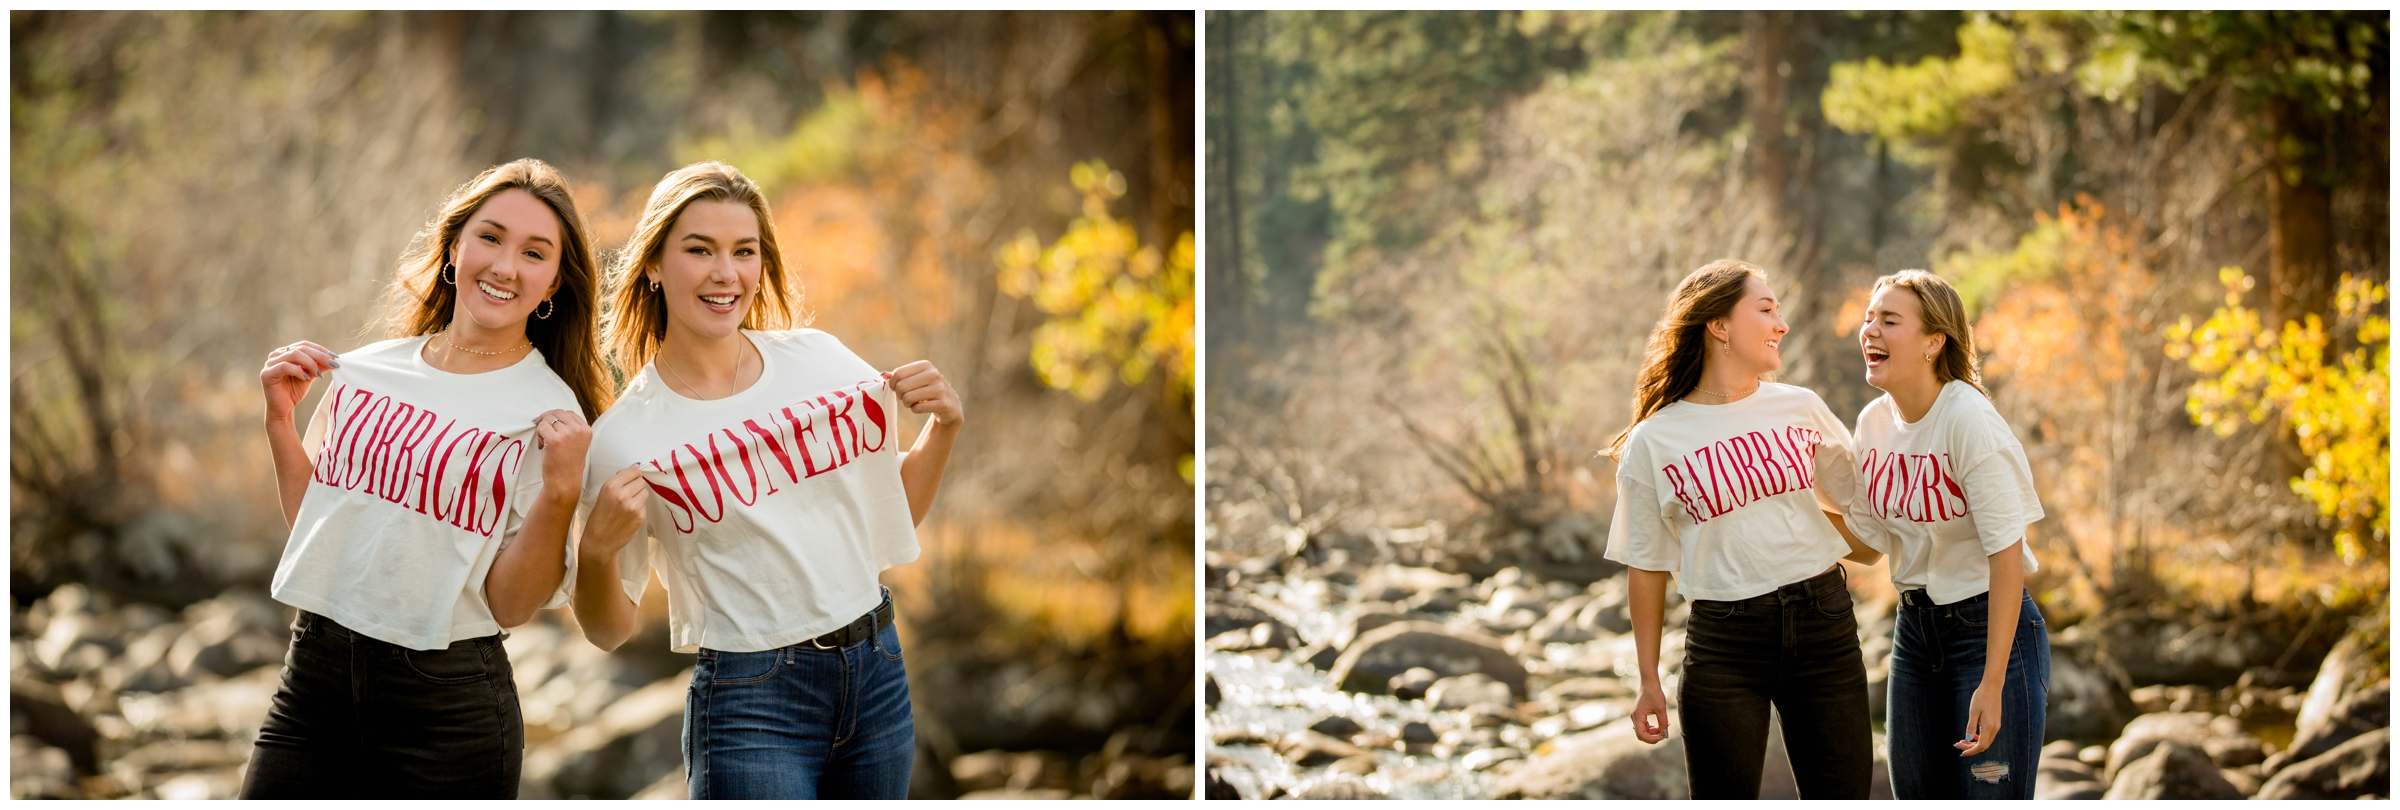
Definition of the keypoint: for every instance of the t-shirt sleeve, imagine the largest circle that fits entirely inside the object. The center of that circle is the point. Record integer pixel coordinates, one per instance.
(1836, 464)
(1640, 534)
(633, 564)
(313, 440)
(1998, 483)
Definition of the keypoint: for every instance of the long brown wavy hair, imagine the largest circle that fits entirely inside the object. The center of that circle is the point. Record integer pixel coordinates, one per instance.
(1946, 315)
(637, 321)
(1672, 360)
(421, 303)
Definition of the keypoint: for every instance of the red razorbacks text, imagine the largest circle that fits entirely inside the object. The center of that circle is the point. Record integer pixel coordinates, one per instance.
(393, 450)
(1736, 471)
(802, 440)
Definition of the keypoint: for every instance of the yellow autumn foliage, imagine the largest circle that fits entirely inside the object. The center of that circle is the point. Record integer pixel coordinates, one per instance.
(1119, 310)
(2338, 406)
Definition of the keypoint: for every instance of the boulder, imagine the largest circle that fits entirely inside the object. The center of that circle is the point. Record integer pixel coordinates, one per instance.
(632, 744)
(2355, 712)
(231, 708)
(1336, 726)
(2087, 695)
(2171, 770)
(2358, 768)
(1607, 611)
(1319, 656)
(1337, 787)
(227, 637)
(1363, 619)
(1606, 764)
(1215, 694)
(1394, 583)
(1305, 748)
(1219, 789)
(1587, 688)
(37, 710)
(1371, 661)
(1469, 691)
(2057, 778)
(2195, 729)
(144, 667)
(1417, 733)
(38, 770)
(1412, 684)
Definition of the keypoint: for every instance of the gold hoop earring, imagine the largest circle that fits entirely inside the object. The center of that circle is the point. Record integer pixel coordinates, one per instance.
(548, 306)
(654, 285)
(449, 273)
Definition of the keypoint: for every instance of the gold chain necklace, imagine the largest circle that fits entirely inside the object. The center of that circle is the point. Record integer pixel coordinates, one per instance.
(446, 341)
(1696, 387)
(738, 357)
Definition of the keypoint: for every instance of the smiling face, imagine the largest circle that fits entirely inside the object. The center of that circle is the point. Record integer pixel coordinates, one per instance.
(507, 260)
(708, 268)
(1894, 342)
(1749, 338)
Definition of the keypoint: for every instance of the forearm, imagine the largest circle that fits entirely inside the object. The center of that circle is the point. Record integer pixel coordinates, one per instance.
(600, 605)
(529, 570)
(2006, 595)
(292, 467)
(1646, 600)
(1860, 552)
(921, 467)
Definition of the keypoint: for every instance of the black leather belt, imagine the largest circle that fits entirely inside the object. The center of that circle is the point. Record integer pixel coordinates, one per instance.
(860, 629)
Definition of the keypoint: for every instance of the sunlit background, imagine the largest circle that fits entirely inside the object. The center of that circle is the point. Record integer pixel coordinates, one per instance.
(1438, 241)
(1008, 195)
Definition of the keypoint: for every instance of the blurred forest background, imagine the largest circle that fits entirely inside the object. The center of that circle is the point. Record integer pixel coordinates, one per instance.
(1438, 241)
(1008, 195)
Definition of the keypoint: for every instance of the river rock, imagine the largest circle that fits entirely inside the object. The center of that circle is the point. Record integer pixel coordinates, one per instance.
(38, 770)
(2087, 695)
(1395, 583)
(2170, 770)
(2065, 778)
(1306, 747)
(1359, 765)
(1219, 789)
(1337, 727)
(1482, 759)
(1338, 787)
(1417, 732)
(2356, 712)
(1364, 618)
(2358, 768)
(2197, 730)
(1469, 691)
(1412, 684)
(632, 743)
(36, 709)
(1371, 661)
(1215, 694)
(1606, 764)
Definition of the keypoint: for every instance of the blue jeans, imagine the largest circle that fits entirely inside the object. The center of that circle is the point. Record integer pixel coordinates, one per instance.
(800, 723)
(1937, 662)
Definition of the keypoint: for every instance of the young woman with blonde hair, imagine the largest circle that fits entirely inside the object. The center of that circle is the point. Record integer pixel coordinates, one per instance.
(430, 501)
(1946, 490)
(780, 494)
(1736, 486)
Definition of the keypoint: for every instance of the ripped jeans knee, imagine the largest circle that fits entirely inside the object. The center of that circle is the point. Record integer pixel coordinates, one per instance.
(1990, 772)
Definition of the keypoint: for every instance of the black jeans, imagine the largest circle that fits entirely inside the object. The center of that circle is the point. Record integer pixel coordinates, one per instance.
(358, 718)
(1797, 649)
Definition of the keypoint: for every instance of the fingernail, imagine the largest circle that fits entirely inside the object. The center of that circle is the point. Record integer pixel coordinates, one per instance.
(337, 364)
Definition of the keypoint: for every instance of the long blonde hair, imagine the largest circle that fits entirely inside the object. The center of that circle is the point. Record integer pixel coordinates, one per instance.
(1946, 315)
(422, 303)
(637, 322)
(1678, 346)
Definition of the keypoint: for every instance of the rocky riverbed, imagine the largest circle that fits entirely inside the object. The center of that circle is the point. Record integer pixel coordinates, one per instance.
(136, 701)
(1356, 674)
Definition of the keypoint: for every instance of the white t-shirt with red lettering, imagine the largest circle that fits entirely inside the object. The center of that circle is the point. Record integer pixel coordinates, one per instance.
(1732, 498)
(772, 511)
(422, 476)
(1944, 494)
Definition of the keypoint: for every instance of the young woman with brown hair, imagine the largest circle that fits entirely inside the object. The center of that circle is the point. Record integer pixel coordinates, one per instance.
(1946, 490)
(430, 501)
(1736, 486)
(781, 495)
